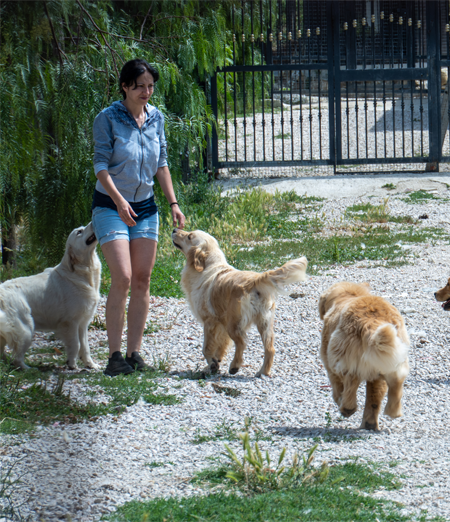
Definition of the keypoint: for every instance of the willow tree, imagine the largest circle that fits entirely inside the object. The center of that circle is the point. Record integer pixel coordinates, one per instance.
(59, 66)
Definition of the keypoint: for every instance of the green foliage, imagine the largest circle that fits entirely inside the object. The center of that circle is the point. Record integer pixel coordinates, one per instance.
(10, 484)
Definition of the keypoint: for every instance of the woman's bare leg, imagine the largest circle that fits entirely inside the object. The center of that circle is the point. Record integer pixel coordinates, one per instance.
(117, 256)
(143, 255)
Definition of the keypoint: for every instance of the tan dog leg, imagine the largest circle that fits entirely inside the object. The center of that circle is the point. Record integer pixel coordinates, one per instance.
(394, 403)
(375, 392)
(265, 330)
(215, 345)
(337, 386)
(335, 381)
(240, 342)
(348, 404)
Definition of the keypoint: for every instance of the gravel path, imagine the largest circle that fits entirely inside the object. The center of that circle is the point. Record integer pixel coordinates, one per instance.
(88, 469)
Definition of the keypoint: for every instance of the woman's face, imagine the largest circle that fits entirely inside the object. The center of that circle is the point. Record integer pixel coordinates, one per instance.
(142, 92)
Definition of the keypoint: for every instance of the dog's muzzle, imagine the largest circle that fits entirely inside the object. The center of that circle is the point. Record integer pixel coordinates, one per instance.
(91, 239)
(446, 305)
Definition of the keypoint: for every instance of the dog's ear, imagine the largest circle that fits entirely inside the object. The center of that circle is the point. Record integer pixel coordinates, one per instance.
(197, 258)
(73, 260)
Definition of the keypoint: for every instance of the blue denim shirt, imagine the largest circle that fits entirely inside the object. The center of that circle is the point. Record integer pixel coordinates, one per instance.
(130, 155)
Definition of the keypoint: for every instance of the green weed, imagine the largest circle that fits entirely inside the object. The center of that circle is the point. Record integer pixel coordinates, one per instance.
(419, 196)
(154, 464)
(389, 186)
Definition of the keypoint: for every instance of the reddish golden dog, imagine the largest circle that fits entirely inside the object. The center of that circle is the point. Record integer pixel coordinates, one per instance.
(228, 301)
(363, 339)
(443, 296)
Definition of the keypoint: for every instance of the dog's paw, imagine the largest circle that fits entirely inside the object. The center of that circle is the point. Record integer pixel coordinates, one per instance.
(91, 365)
(71, 365)
(393, 413)
(372, 426)
(20, 365)
(262, 374)
(348, 412)
(233, 371)
(214, 366)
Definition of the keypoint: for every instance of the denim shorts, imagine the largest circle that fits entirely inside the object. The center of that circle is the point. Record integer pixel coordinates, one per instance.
(108, 226)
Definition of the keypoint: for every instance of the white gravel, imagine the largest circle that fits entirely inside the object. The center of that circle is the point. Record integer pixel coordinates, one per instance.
(89, 469)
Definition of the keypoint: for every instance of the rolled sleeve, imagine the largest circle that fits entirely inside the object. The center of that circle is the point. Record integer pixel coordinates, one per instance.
(162, 162)
(103, 142)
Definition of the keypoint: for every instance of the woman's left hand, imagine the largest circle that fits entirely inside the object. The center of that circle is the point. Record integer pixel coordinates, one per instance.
(177, 216)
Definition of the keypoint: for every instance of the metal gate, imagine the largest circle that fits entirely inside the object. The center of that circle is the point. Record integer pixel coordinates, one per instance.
(313, 82)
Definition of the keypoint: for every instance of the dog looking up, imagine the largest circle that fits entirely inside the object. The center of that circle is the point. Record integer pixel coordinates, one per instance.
(363, 339)
(62, 299)
(228, 301)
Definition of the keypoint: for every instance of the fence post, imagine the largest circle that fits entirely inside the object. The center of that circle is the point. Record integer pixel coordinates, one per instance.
(434, 85)
(213, 140)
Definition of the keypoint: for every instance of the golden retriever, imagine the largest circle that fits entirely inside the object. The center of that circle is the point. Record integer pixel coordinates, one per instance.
(363, 339)
(443, 296)
(62, 299)
(228, 301)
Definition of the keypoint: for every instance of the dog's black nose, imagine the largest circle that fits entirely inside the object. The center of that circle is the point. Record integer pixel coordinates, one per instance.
(435, 294)
(174, 230)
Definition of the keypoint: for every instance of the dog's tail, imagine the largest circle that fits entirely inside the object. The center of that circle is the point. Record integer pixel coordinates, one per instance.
(291, 272)
(385, 351)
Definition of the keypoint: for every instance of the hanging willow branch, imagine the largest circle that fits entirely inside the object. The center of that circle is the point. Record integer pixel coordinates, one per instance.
(103, 36)
(53, 33)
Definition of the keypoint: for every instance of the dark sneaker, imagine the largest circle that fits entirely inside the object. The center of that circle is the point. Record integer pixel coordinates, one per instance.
(137, 362)
(117, 366)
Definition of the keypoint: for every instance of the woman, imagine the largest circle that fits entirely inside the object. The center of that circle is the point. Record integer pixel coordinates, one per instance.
(130, 149)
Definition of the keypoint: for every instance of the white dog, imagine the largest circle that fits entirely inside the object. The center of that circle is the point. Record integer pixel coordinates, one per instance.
(62, 299)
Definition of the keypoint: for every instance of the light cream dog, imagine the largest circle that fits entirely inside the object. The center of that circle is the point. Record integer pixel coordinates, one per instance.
(228, 301)
(62, 299)
(363, 339)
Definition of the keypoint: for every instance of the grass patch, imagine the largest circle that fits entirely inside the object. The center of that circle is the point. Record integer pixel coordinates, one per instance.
(126, 390)
(369, 213)
(295, 492)
(389, 186)
(377, 244)
(419, 196)
(30, 398)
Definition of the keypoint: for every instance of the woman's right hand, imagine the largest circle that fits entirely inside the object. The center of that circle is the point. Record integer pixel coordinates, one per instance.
(126, 213)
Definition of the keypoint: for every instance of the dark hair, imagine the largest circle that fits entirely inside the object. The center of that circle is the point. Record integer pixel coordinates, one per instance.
(132, 70)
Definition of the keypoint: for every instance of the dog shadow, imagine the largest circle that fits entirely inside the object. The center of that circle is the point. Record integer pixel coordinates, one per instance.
(325, 434)
(197, 375)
